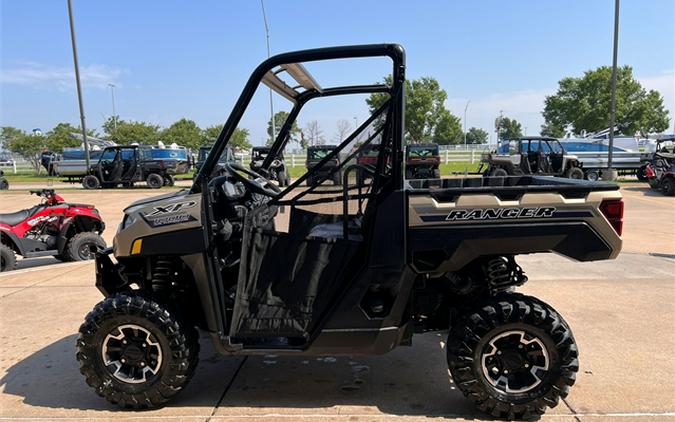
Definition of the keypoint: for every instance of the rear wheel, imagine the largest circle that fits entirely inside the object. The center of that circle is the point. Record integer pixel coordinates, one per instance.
(642, 174)
(653, 183)
(499, 172)
(155, 181)
(82, 246)
(513, 357)
(135, 353)
(574, 173)
(281, 177)
(668, 186)
(7, 258)
(90, 182)
(592, 175)
(168, 180)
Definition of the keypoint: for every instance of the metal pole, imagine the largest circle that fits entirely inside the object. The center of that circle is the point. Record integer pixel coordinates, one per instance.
(79, 87)
(114, 114)
(267, 34)
(465, 107)
(612, 110)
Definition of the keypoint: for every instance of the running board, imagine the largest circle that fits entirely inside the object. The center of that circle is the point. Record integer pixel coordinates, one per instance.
(41, 253)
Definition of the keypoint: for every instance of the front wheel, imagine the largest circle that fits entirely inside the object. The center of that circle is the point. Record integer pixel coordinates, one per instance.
(82, 246)
(668, 186)
(7, 258)
(513, 357)
(91, 182)
(499, 172)
(135, 353)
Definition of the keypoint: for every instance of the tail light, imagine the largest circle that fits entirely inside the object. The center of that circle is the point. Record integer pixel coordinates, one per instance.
(613, 212)
(649, 171)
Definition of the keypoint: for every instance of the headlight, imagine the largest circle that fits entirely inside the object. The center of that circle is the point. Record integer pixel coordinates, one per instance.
(126, 222)
(276, 163)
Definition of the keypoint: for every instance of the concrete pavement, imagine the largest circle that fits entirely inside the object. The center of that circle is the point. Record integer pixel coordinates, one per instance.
(621, 312)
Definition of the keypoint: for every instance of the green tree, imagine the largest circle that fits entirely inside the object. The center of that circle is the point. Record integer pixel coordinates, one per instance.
(554, 131)
(239, 139)
(476, 136)
(426, 117)
(128, 132)
(29, 146)
(59, 137)
(584, 104)
(448, 129)
(510, 129)
(280, 118)
(183, 132)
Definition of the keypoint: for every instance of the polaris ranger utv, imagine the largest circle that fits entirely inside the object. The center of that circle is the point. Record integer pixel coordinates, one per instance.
(126, 165)
(345, 270)
(422, 161)
(315, 156)
(532, 155)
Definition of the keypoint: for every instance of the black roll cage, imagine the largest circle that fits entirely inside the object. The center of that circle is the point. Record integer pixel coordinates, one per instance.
(291, 63)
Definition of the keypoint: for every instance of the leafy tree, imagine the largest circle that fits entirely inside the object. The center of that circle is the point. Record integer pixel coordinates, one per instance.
(510, 129)
(280, 118)
(239, 139)
(552, 130)
(131, 131)
(7, 133)
(448, 129)
(584, 104)
(59, 137)
(29, 146)
(184, 132)
(425, 110)
(476, 136)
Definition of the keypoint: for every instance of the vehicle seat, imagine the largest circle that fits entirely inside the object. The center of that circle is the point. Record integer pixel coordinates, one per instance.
(14, 218)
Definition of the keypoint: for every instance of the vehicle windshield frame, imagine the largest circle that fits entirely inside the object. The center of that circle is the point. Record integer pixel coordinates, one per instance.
(291, 63)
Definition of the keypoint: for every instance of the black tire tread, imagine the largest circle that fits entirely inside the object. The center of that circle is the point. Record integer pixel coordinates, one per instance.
(10, 257)
(505, 308)
(69, 253)
(182, 339)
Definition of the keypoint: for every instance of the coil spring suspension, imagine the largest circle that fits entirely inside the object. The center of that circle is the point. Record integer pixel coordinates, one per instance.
(503, 272)
(162, 275)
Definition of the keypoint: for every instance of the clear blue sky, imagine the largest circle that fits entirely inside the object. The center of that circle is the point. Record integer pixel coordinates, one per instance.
(173, 59)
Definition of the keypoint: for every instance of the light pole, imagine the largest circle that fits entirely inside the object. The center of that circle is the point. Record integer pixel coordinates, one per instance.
(356, 123)
(465, 108)
(610, 175)
(114, 115)
(267, 34)
(79, 87)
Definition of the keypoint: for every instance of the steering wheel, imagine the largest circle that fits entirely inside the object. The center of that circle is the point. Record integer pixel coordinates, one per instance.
(256, 183)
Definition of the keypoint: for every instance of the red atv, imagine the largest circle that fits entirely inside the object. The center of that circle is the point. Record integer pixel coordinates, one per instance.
(69, 232)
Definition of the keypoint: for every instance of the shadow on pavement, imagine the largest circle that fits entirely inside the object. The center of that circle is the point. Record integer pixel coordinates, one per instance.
(645, 189)
(406, 382)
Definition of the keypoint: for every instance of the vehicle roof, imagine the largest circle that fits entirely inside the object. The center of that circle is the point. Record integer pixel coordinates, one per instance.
(429, 145)
(260, 148)
(322, 147)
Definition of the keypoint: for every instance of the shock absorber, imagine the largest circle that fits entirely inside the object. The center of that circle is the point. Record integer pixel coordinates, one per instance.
(503, 272)
(162, 275)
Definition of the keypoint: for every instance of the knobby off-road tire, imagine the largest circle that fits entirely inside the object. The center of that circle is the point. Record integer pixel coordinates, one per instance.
(154, 181)
(82, 246)
(668, 186)
(7, 258)
(499, 172)
(497, 354)
(91, 182)
(171, 348)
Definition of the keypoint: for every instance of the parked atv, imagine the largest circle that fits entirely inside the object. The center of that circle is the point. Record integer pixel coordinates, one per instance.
(315, 155)
(660, 174)
(353, 270)
(127, 165)
(532, 155)
(277, 169)
(422, 161)
(4, 184)
(69, 232)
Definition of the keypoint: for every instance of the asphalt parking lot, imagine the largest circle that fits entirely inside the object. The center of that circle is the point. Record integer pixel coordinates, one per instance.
(622, 313)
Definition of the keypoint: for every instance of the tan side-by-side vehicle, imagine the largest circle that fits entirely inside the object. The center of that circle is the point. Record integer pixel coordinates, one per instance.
(348, 268)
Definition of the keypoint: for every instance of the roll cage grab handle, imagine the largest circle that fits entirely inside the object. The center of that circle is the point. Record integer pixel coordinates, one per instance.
(290, 62)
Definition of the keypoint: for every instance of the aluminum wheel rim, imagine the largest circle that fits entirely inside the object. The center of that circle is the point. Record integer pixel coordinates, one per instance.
(531, 350)
(115, 354)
